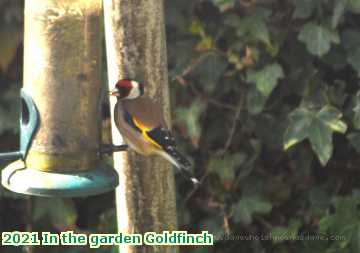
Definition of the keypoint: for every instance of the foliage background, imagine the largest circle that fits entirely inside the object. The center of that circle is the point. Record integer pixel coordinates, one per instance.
(265, 94)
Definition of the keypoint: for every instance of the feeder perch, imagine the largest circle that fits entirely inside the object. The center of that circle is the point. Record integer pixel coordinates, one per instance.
(28, 124)
(60, 149)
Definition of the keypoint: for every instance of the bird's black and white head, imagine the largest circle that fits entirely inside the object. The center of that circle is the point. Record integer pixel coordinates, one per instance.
(127, 89)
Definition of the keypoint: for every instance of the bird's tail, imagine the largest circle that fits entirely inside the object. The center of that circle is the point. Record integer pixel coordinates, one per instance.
(183, 165)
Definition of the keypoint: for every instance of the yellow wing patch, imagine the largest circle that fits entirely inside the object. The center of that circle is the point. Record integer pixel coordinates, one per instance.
(144, 130)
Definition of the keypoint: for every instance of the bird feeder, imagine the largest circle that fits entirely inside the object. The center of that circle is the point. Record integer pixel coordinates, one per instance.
(60, 147)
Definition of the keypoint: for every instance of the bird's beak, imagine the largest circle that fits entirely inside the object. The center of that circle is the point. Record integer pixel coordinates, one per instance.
(114, 92)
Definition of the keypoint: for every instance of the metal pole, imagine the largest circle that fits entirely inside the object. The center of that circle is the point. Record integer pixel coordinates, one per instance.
(136, 48)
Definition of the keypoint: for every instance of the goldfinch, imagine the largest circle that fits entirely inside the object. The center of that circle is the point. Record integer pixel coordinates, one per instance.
(142, 126)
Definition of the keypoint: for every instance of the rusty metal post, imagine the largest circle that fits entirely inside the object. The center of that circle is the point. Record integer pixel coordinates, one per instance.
(62, 74)
(136, 47)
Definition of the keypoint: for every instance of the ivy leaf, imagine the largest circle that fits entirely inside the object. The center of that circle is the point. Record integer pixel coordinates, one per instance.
(344, 220)
(225, 166)
(214, 225)
(267, 78)
(10, 40)
(317, 126)
(336, 58)
(317, 38)
(353, 6)
(176, 14)
(9, 110)
(339, 10)
(304, 8)
(180, 57)
(62, 213)
(356, 119)
(320, 200)
(253, 27)
(262, 123)
(337, 94)
(265, 81)
(248, 206)
(354, 139)
(258, 29)
(331, 116)
(210, 70)
(107, 220)
(190, 116)
(284, 233)
(255, 101)
(223, 4)
(354, 59)
(183, 214)
(321, 141)
(350, 39)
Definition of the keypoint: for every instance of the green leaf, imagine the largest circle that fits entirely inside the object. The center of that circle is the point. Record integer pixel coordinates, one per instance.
(320, 200)
(354, 59)
(210, 70)
(344, 221)
(267, 78)
(225, 166)
(176, 15)
(321, 141)
(315, 94)
(107, 221)
(62, 213)
(190, 116)
(350, 39)
(252, 27)
(354, 139)
(336, 58)
(353, 6)
(180, 58)
(255, 101)
(196, 27)
(281, 233)
(10, 39)
(317, 38)
(223, 4)
(258, 29)
(264, 121)
(331, 116)
(339, 10)
(265, 81)
(248, 206)
(213, 226)
(356, 109)
(337, 93)
(317, 126)
(297, 131)
(183, 213)
(9, 109)
(304, 8)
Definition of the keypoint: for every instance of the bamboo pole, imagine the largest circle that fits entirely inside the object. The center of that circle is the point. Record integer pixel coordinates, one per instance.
(136, 48)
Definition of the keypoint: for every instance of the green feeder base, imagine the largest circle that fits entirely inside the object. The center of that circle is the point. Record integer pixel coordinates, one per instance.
(17, 178)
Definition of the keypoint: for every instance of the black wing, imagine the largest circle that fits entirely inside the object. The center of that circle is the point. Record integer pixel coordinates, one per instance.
(164, 139)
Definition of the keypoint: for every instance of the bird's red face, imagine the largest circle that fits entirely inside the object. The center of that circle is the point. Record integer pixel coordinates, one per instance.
(127, 89)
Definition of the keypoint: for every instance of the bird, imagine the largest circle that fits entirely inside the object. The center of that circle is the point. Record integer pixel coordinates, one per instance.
(140, 121)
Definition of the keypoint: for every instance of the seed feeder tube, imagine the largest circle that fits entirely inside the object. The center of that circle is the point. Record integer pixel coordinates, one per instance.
(62, 76)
